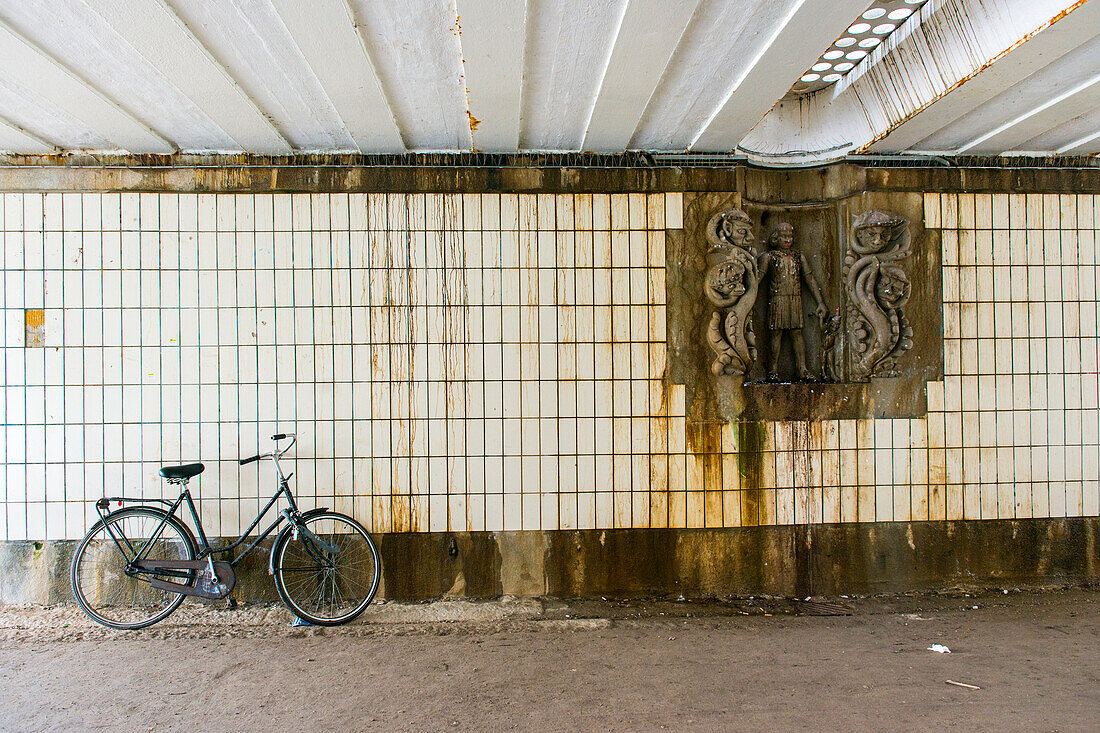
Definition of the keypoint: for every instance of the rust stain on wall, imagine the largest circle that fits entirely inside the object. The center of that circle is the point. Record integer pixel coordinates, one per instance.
(750, 444)
(704, 440)
(36, 328)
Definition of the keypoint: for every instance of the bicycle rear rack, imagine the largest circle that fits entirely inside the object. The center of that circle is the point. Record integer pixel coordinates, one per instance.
(103, 506)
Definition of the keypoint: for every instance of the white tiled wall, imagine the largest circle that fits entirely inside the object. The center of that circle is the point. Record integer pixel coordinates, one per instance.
(495, 362)
(1017, 411)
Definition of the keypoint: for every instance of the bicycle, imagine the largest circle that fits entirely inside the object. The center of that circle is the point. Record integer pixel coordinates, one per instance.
(136, 564)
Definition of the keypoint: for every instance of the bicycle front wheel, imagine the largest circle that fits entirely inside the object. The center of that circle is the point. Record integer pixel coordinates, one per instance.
(98, 574)
(330, 580)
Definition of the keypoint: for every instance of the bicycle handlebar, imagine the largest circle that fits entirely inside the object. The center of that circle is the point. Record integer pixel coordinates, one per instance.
(274, 454)
(279, 436)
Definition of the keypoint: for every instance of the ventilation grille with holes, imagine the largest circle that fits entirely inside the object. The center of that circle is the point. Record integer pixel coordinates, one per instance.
(861, 38)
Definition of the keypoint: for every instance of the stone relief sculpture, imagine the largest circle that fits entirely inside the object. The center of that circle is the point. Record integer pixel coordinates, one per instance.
(731, 284)
(787, 270)
(877, 287)
(832, 347)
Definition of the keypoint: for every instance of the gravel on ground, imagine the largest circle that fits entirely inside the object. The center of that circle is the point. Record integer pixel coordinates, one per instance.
(1023, 660)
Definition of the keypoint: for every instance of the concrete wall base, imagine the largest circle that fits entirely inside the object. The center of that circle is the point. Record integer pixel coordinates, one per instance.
(787, 560)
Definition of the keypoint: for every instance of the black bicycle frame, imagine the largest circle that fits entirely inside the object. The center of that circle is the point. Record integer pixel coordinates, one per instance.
(185, 497)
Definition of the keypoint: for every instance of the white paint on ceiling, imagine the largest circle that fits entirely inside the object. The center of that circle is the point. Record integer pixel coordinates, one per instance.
(105, 124)
(94, 50)
(328, 37)
(492, 40)
(1041, 50)
(718, 48)
(955, 42)
(376, 76)
(415, 50)
(13, 137)
(1078, 70)
(564, 67)
(996, 115)
(1010, 106)
(31, 111)
(795, 44)
(249, 39)
(1075, 136)
(647, 38)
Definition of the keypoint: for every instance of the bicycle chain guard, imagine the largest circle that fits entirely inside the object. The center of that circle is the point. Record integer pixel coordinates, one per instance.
(203, 586)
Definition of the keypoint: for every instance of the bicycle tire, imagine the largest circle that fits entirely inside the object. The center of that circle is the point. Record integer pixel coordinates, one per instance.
(97, 575)
(317, 587)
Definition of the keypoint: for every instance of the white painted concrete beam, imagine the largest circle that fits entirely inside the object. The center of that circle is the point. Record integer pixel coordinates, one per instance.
(79, 39)
(797, 44)
(1079, 135)
(1041, 50)
(650, 32)
(33, 113)
(1063, 105)
(326, 34)
(569, 46)
(415, 50)
(492, 41)
(14, 139)
(718, 48)
(163, 39)
(1087, 144)
(248, 39)
(107, 125)
(960, 39)
(272, 76)
(1037, 88)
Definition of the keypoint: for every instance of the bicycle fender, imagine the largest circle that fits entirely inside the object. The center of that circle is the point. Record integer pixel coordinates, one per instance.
(284, 530)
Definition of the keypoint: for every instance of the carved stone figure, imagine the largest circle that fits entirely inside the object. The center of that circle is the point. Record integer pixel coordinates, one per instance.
(731, 285)
(788, 270)
(877, 287)
(832, 347)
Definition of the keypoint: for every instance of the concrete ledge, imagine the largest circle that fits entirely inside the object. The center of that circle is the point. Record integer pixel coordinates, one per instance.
(787, 561)
(526, 173)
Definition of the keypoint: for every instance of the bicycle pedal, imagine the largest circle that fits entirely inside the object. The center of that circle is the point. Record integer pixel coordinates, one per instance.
(300, 622)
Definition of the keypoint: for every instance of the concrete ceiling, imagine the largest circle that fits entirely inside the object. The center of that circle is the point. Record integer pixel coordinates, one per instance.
(277, 77)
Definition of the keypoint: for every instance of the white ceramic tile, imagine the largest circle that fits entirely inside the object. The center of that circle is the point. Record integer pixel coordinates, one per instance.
(869, 471)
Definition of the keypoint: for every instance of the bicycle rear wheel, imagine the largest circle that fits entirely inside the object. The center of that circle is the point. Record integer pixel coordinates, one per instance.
(98, 570)
(324, 587)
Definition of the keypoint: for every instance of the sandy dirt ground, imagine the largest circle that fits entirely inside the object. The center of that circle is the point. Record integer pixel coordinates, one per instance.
(746, 664)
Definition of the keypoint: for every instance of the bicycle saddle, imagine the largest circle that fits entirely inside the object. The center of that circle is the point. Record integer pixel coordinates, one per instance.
(178, 472)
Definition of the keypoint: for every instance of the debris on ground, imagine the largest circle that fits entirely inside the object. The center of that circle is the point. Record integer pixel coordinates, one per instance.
(819, 608)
